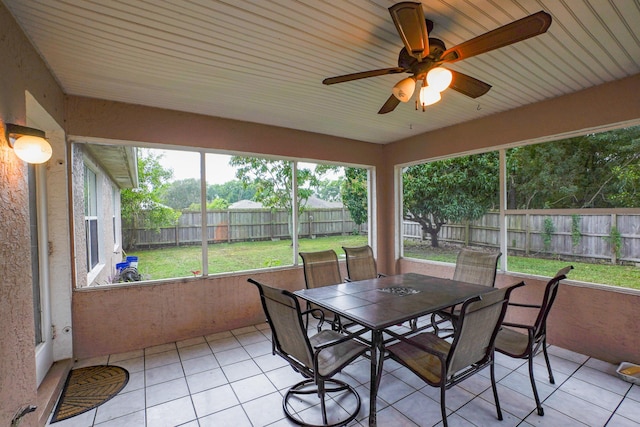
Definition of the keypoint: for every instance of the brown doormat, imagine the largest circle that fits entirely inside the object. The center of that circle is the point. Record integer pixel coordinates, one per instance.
(87, 388)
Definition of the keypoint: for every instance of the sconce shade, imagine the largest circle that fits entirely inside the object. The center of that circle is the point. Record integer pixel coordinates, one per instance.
(32, 149)
(403, 90)
(29, 144)
(429, 96)
(439, 78)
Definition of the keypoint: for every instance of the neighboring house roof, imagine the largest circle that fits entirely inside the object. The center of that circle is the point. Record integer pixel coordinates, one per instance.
(312, 202)
(246, 204)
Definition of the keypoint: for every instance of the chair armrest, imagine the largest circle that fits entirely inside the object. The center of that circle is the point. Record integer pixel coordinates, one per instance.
(518, 304)
(518, 325)
(348, 337)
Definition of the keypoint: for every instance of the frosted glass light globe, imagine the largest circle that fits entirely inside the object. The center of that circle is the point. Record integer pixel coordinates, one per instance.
(439, 78)
(32, 149)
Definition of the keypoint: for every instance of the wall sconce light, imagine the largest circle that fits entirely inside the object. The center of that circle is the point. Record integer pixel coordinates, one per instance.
(29, 144)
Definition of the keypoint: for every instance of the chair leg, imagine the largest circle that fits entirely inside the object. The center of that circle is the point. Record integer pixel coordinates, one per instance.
(442, 406)
(546, 359)
(323, 405)
(495, 391)
(533, 386)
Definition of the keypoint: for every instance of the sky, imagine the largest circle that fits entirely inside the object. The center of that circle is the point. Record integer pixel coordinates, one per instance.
(186, 164)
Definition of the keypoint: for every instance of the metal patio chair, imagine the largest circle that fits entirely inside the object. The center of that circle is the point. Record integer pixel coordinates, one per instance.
(443, 364)
(522, 341)
(321, 268)
(361, 265)
(318, 358)
(472, 266)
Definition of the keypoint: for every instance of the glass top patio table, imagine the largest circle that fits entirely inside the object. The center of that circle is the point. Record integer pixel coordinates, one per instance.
(387, 301)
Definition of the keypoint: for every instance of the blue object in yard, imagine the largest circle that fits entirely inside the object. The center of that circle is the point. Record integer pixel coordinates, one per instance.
(133, 261)
(121, 266)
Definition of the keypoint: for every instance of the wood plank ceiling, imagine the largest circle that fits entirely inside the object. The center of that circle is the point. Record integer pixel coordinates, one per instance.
(264, 61)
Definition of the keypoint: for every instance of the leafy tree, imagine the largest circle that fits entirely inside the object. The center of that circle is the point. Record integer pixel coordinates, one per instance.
(458, 189)
(591, 171)
(330, 190)
(142, 206)
(272, 181)
(354, 194)
(214, 205)
(232, 191)
(182, 193)
(627, 186)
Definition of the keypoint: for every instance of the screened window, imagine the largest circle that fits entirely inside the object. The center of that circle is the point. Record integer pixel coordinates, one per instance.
(196, 214)
(571, 201)
(332, 207)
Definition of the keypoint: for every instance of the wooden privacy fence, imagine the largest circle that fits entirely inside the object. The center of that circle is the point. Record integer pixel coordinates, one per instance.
(586, 235)
(226, 226)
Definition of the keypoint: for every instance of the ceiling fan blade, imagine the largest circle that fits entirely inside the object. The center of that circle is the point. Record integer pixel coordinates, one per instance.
(390, 105)
(412, 28)
(468, 85)
(362, 75)
(522, 29)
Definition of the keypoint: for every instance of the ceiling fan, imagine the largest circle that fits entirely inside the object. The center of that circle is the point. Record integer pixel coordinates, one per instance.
(422, 56)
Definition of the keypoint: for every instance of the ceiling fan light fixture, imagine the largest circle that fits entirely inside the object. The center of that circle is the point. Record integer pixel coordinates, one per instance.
(429, 96)
(403, 90)
(439, 78)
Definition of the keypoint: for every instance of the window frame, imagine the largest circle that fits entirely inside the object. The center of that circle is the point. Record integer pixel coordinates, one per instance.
(92, 220)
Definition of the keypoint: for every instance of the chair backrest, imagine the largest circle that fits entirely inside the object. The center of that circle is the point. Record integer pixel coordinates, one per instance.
(361, 265)
(283, 315)
(550, 292)
(321, 268)
(476, 267)
(477, 328)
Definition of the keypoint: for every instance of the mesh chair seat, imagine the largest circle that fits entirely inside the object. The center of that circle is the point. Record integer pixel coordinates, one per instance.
(330, 362)
(512, 342)
(425, 365)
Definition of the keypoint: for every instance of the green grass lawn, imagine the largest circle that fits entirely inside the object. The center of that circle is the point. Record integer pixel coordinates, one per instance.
(627, 276)
(232, 257)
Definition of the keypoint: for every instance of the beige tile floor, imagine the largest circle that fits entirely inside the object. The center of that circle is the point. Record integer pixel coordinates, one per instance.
(232, 379)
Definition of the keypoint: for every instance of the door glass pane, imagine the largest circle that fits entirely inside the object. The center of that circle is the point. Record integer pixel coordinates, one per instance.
(35, 265)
